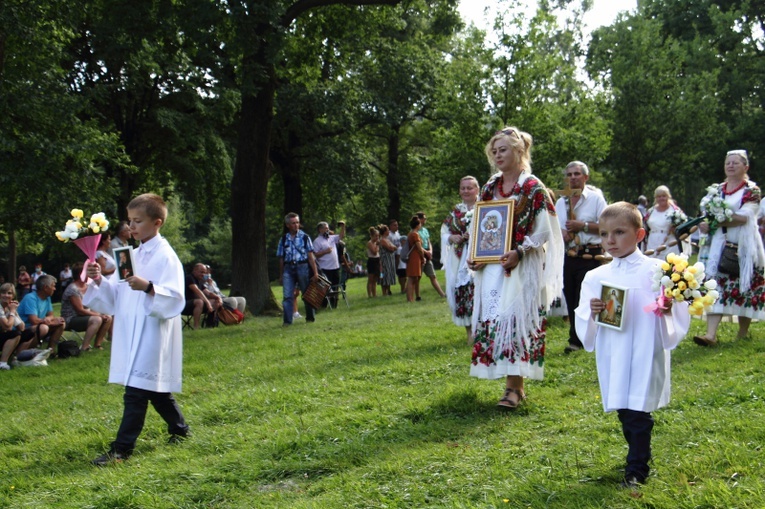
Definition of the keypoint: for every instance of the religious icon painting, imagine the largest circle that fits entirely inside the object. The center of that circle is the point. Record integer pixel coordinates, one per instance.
(492, 230)
(615, 298)
(123, 256)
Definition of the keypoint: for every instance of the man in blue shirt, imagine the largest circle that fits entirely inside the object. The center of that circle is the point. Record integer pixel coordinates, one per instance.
(295, 254)
(36, 309)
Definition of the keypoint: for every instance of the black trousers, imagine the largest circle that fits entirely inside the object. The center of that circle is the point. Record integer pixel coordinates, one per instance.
(637, 427)
(574, 270)
(134, 415)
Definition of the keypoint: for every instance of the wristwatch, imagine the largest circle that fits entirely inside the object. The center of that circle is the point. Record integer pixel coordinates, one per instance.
(586, 227)
(149, 288)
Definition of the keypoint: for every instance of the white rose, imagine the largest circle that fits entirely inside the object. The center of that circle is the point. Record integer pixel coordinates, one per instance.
(711, 284)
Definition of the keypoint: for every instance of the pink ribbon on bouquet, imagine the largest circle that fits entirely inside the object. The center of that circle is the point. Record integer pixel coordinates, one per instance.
(659, 306)
(89, 246)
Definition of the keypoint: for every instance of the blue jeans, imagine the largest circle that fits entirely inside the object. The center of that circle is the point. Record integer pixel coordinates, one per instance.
(295, 275)
(636, 427)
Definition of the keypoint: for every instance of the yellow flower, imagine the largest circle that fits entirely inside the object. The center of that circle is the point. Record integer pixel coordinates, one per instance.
(676, 277)
(692, 269)
(682, 286)
(678, 295)
(668, 293)
(60, 236)
(665, 266)
(681, 265)
(76, 213)
(671, 257)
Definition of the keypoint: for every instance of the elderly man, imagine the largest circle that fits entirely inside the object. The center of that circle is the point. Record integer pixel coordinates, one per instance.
(36, 310)
(121, 237)
(325, 251)
(578, 214)
(297, 267)
(199, 298)
(234, 302)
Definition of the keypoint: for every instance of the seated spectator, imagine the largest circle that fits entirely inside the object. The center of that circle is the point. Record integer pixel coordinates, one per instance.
(36, 310)
(239, 303)
(104, 258)
(24, 281)
(13, 336)
(38, 273)
(65, 276)
(121, 237)
(198, 298)
(80, 318)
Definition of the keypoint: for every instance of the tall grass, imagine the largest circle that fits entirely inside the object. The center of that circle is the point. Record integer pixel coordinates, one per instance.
(372, 407)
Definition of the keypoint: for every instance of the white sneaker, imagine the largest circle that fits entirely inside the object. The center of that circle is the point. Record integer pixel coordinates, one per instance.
(296, 315)
(4, 366)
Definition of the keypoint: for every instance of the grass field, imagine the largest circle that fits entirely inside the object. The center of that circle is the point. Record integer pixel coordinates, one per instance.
(372, 407)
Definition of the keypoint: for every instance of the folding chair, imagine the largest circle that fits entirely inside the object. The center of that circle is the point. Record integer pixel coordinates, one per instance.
(188, 321)
(335, 291)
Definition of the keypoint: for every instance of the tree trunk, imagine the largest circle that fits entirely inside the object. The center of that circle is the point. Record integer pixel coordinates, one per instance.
(12, 257)
(394, 195)
(249, 260)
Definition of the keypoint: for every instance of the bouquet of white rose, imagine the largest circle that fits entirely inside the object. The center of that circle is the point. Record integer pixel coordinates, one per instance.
(678, 282)
(714, 209)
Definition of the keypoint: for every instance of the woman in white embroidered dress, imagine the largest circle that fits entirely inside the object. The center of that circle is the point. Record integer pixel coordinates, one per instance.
(741, 295)
(661, 220)
(512, 297)
(455, 232)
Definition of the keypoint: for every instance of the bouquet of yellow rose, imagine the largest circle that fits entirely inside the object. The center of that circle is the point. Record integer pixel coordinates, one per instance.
(678, 281)
(74, 228)
(87, 237)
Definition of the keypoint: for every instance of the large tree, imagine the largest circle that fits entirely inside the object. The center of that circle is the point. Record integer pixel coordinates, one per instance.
(260, 29)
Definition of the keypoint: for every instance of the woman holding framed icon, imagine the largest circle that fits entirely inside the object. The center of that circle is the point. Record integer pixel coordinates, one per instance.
(517, 256)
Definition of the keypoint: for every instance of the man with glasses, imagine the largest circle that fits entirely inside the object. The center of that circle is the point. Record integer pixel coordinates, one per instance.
(296, 257)
(578, 213)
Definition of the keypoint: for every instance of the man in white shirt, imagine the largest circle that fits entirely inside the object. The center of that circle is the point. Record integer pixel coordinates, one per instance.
(325, 250)
(578, 218)
(395, 238)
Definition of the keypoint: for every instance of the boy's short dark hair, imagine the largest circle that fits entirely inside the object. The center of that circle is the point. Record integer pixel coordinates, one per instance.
(153, 205)
(623, 210)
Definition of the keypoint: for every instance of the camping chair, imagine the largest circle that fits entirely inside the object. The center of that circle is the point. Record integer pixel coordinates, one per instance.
(335, 291)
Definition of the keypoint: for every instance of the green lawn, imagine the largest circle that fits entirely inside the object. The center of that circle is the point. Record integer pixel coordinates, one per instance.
(372, 407)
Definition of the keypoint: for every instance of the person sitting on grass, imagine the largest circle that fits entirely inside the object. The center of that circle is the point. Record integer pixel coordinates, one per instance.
(36, 310)
(147, 346)
(199, 298)
(13, 336)
(633, 363)
(81, 319)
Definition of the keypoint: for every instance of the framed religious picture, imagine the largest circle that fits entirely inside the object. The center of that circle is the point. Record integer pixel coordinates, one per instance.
(615, 297)
(123, 257)
(492, 230)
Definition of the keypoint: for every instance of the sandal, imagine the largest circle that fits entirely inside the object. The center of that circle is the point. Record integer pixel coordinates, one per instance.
(704, 341)
(512, 398)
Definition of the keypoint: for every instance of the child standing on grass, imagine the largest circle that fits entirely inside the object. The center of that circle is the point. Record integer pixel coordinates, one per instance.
(147, 347)
(633, 363)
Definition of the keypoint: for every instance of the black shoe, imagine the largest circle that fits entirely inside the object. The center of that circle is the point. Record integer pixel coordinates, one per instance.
(109, 458)
(177, 439)
(572, 348)
(310, 320)
(631, 482)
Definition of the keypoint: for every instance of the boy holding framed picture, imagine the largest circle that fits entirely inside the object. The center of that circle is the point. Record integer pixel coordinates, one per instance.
(633, 352)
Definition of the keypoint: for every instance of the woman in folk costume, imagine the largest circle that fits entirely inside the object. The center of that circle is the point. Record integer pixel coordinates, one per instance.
(741, 294)
(455, 232)
(512, 297)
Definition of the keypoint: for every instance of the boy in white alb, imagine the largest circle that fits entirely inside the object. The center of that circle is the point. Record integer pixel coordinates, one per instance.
(147, 349)
(633, 363)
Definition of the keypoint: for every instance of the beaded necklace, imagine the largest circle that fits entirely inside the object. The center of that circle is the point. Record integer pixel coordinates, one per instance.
(725, 190)
(501, 184)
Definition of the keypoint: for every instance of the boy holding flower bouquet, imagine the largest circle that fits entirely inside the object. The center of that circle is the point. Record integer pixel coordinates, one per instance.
(633, 363)
(147, 350)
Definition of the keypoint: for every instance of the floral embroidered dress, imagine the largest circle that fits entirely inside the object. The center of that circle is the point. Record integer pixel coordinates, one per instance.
(459, 279)
(743, 295)
(659, 227)
(509, 323)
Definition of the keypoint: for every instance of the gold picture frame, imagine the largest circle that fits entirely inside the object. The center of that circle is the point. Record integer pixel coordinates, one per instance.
(615, 297)
(492, 230)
